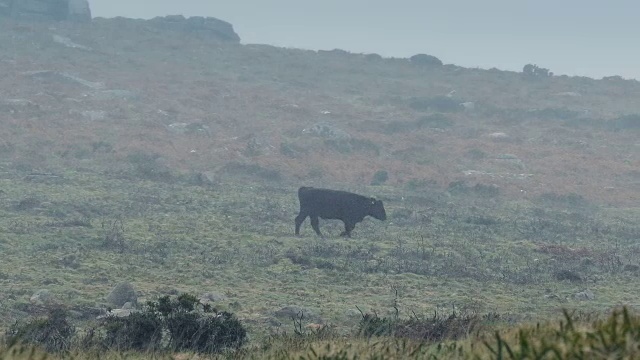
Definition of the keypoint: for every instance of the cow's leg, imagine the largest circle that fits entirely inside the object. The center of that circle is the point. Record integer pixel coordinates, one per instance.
(315, 224)
(347, 229)
(299, 220)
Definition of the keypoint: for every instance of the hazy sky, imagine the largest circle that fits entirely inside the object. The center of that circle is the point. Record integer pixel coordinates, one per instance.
(587, 37)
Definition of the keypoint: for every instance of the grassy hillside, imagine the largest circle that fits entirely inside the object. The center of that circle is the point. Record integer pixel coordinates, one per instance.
(136, 154)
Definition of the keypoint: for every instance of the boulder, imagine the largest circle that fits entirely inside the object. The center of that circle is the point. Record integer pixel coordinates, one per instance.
(47, 10)
(122, 293)
(198, 25)
(42, 297)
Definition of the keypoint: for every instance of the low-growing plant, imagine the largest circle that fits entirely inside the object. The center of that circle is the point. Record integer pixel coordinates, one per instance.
(53, 333)
(380, 177)
(182, 323)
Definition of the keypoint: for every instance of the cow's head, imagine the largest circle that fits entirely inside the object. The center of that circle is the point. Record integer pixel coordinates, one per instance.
(376, 209)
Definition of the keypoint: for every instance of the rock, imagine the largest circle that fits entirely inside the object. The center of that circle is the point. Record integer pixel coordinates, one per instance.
(468, 105)
(115, 94)
(296, 312)
(327, 131)
(47, 10)
(94, 115)
(186, 128)
(198, 25)
(569, 93)
(14, 106)
(122, 293)
(79, 11)
(206, 178)
(70, 260)
(498, 135)
(42, 297)
(124, 311)
(511, 160)
(68, 43)
(50, 75)
(584, 295)
(211, 297)
(353, 314)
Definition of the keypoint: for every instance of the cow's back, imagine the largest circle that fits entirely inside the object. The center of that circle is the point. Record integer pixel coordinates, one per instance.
(329, 204)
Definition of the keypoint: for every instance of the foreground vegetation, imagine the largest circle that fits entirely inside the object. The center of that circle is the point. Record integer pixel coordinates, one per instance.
(576, 336)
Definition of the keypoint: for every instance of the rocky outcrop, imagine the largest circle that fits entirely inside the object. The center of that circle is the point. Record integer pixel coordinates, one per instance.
(46, 10)
(197, 25)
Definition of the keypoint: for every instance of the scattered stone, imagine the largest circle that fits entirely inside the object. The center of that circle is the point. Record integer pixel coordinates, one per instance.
(116, 94)
(206, 178)
(327, 131)
(631, 268)
(71, 261)
(51, 75)
(211, 297)
(68, 43)
(567, 275)
(94, 115)
(122, 293)
(498, 135)
(553, 297)
(468, 105)
(584, 295)
(569, 93)
(353, 314)
(13, 106)
(296, 312)
(42, 297)
(511, 159)
(186, 128)
(124, 311)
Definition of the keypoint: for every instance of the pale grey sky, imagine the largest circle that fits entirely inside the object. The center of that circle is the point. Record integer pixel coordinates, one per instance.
(589, 38)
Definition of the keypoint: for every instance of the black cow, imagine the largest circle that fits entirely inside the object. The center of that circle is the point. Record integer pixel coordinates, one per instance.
(334, 204)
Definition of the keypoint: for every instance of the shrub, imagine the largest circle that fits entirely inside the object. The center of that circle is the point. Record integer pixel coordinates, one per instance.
(190, 325)
(191, 329)
(436, 328)
(138, 331)
(570, 275)
(149, 167)
(236, 168)
(536, 71)
(626, 122)
(424, 59)
(380, 177)
(53, 333)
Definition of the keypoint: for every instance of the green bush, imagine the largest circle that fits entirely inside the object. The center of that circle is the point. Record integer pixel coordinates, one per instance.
(53, 333)
(177, 324)
(138, 331)
(380, 177)
(149, 167)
